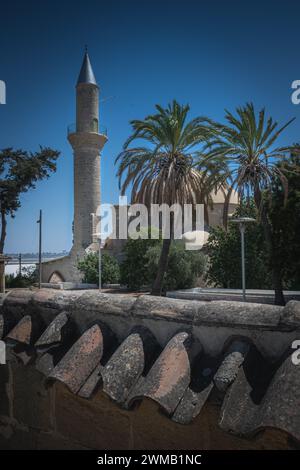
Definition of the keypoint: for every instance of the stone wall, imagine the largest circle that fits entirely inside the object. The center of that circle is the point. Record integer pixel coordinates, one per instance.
(33, 416)
(102, 371)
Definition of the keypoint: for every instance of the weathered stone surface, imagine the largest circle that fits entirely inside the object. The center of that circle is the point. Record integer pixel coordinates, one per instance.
(80, 361)
(231, 363)
(157, 308)
(95, 423)
(18, 297)
(124, 368)
(96, 305)
(1, 326)
(244, 315)
(52, 336)
(260, 399)
(169, 377)
(178, 377)
(31, 401)
(21, 333)
(152, 430)
(19, 439)
(196, 395)
(4, 383)
(52, 441)
(24, 357)
(291, 314)
(191, 404)
(92, 383)
(44, 364)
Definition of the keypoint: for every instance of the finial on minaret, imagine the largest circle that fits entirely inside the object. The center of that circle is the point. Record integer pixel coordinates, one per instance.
(86, 74)
(85, 48)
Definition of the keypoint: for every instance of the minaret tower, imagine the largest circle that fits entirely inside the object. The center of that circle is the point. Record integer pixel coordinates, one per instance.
(87, 143)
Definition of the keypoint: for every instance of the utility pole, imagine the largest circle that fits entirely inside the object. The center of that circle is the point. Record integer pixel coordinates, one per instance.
(40, 248)
(20, 264)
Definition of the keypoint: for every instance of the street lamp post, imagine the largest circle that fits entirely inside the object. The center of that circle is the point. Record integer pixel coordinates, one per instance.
(242, 222)
(101, 245)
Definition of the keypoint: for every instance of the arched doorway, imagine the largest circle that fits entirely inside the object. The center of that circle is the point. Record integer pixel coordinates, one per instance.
(55, 278)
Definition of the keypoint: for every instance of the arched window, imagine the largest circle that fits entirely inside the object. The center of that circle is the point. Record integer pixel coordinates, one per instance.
(95, 125)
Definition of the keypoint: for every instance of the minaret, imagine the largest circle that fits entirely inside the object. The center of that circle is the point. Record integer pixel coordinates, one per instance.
(87, 143)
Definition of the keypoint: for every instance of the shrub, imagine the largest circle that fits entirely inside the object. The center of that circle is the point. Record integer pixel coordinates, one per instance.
(140, 265)
(110, 271)
(134, 269)
(224, 251)
(27, 278)
(184, 266)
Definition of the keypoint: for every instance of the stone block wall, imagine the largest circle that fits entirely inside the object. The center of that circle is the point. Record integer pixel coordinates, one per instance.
(102, 371)
(33, 416)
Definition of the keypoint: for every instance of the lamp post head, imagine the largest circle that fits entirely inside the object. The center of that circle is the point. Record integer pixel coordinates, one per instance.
(242, 221)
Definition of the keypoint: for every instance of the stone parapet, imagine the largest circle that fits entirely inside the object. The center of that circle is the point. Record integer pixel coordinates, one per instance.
(97, 368)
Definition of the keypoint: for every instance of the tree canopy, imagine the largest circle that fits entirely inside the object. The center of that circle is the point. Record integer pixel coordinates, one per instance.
(19, 171)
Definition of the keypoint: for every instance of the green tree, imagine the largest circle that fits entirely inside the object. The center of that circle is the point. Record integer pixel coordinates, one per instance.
(246, 145)
(134, 270)
(110, 271)
(19, 171)
(224, 251)
(285, 220)
(162, 170)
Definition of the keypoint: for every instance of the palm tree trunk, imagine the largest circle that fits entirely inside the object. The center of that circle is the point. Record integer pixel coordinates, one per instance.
(227, 198)
(162, 267)
(277, 284)
(276, 272)
(163, 261)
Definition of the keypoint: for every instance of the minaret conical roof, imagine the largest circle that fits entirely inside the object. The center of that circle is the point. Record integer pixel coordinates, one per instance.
(86, 74)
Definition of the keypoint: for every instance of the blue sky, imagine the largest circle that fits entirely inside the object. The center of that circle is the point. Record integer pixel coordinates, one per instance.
(212, 55)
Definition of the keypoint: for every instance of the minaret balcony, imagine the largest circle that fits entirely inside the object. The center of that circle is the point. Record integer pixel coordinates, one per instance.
(71, 129)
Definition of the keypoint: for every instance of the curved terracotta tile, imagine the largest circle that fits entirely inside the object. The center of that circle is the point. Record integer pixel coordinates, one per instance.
(124, 368)
(53, 334)
(21, 333)
(197, 393)
(263, 396)
(232, 361)
(44, 364)
(91, 384)
(191, 404)
(169, 376)
(80, 361)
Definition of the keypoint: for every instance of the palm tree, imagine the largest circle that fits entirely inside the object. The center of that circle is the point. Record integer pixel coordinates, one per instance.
(163, 170)
(246, 147)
